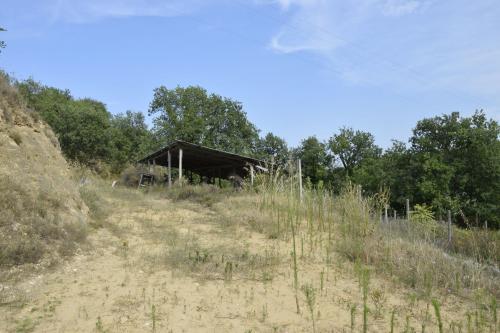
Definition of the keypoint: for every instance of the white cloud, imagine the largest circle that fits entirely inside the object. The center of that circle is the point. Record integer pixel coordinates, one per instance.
(400, 7)
(87, 10)
(405, 44)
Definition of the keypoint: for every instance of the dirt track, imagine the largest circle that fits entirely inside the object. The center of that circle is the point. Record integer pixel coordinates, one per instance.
(131, 280)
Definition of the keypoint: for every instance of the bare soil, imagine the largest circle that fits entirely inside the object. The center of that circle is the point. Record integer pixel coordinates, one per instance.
(165, 266)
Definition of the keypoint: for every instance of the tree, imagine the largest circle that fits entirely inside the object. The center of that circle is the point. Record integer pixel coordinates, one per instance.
(352, 147)
(130, 139)
(82, 126)
(2, 43)
(457, 164)
(315, 161)
(274, 149)
(84, 131)
(192, 115)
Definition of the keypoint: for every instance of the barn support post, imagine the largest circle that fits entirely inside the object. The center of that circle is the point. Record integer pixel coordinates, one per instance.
(169, 169)
(408, 209)
(180, 166)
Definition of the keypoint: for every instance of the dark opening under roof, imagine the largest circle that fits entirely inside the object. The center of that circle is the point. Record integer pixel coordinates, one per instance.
(203, 160)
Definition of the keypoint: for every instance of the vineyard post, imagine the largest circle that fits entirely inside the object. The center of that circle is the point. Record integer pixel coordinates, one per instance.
(449, 226)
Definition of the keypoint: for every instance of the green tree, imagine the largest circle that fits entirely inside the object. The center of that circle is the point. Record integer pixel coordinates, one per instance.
(82, 126)
(192, 115)
(352, 147)
(2, 43)
(84, 131)
(274, 149)
(315, 160)
(457, 164)
(130, 139)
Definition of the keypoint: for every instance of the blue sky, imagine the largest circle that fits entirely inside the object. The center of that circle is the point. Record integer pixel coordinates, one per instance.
(300, 67)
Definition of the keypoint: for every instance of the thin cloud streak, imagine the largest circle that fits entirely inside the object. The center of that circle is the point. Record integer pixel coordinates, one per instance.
(403, 44)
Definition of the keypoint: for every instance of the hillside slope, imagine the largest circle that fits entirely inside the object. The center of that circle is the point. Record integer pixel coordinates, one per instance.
(42, 214)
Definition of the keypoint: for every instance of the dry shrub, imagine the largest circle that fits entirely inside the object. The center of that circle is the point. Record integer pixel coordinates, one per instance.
(206, 195)
(131, 176)
(31, 227)
(14, 135)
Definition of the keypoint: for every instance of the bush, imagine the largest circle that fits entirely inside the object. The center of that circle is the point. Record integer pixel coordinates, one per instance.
(31, 227)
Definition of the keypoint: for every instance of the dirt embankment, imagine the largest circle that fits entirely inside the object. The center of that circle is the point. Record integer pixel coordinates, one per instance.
(42, 214)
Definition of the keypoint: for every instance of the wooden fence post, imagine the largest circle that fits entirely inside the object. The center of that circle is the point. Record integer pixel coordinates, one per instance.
(449, 226)
(408, 209)
(300, 179)
(386, 217)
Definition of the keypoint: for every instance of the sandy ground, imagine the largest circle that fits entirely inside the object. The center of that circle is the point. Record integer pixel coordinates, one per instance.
(130, 280)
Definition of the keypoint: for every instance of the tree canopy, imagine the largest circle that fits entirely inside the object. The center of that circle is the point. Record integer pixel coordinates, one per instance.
(449, 163)
(2, 43)
(192, 115)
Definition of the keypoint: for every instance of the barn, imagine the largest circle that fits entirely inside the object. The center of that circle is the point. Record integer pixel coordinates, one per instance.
(208, 163)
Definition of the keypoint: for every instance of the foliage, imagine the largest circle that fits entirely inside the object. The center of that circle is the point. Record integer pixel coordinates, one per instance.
(87, 132)
(2, 43)
(352, 147)
(130, 138)
(192, 115)
(451, 162)
(458, 164)
(314, 158)
(273, 149)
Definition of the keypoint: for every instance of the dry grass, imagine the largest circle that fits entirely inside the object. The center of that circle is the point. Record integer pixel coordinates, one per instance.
(31, 228)
(42, 216)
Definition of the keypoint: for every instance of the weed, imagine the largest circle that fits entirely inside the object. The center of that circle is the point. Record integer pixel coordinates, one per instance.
(437, 311)
(310, 294)
(353, 317)
(153, 317)
(393, 319)
(378, 298)
(25, 325)
(14, 135)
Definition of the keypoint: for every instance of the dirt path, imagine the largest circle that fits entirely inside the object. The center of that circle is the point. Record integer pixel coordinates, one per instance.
(170, 267)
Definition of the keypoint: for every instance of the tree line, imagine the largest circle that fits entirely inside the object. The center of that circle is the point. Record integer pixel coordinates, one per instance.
(449, 163)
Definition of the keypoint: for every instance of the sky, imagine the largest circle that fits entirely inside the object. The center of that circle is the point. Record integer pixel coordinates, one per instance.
(300, 67)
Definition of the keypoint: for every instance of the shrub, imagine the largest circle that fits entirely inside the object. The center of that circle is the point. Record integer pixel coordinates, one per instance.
(31, 226)
(14, 135)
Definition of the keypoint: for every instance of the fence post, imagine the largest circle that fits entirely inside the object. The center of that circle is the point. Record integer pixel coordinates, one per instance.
(395, 215)
(408, 209)
(449, 226)
(300, 179)
(180, 166)
(386, 217)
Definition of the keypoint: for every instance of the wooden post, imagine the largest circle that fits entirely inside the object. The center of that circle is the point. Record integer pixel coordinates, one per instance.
(300, 179)
(169, 169)
(395, 215)
(360, 193)
(140, 181)
(180, 166)
(251, 174)
(408, 209)
(449, 226)
(153, 171)
(386, 217)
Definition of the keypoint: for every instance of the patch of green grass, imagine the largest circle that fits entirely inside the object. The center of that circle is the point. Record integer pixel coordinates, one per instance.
(25, 325)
